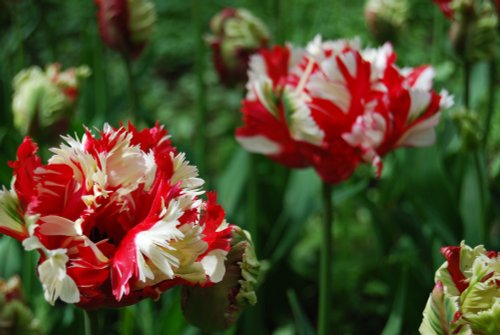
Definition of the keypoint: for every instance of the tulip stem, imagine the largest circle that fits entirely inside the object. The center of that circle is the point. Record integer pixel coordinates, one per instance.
(467, 75)
(491, 101)
(437, 35)
(132, 92)
(91, 322)
(325, 274)
(201, 124)
(252, 206)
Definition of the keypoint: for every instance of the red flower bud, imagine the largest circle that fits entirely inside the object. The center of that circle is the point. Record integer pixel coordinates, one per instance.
(126, 25)
(236, 35)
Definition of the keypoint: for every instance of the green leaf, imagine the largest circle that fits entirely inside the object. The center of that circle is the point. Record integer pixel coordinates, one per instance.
(10, 265)
(302, 325)
(471, 203)
(301, 200)
(395, 322)
(231, 184)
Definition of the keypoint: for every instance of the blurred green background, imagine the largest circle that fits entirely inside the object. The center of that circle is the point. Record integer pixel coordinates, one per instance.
(387, 232)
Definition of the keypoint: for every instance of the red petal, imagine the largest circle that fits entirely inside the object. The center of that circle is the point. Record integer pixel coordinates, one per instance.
(25, 165)
(452, 255)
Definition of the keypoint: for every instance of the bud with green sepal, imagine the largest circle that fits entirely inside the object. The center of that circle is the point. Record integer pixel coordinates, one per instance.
(473, 33)
(217, 307)
(44, 100)
(236, 35)
(15, 316)
(386, 17)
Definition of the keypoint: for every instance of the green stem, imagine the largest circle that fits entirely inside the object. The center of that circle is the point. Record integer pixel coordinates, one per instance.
(467, 75)
(132, 92)
(491, 102)
(99, 102)
(325, 274)
(127, 316)
(91, 322)
(252, 206)
(437, 35)
(482, 191)
(279, 21)
(201, 119)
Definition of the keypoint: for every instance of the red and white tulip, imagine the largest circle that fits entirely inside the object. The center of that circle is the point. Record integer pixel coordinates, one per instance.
(116, 218)
(333, 105)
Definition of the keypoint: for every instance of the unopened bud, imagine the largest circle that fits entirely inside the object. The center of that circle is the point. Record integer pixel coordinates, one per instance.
(386, 17)
(44, 100)
(236, 35)
(473, 33)
(217, 307)
(15, 316)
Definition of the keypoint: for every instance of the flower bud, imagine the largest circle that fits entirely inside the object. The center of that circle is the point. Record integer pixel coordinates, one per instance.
(44, 100)
(473, 33)
(126, 25)
(217, 307)
(236, 35)
(15, 316)
(469, 128)
(386, 17)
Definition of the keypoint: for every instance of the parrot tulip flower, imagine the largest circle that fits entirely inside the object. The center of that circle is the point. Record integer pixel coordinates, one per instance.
(334, 105)
(116, 218)
(466, 297)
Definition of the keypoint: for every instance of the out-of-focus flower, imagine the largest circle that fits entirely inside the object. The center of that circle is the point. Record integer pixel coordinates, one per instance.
(44, 100)
(15, 316)
(445, 6)
(469, 126)
(334, 105)
(386, 17)
(466, 297)
(236, 35)
(217, 307)
(115, 218)
(126, 25)
(473, 32)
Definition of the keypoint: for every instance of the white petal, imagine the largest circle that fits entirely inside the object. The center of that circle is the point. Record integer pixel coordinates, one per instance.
(55, 281)
(420, 100)
(58, 226)
(447, 100)
(422, 134)
(32, 243)
(259, 144)
(350, 62)
(424, 81)
(213, 264)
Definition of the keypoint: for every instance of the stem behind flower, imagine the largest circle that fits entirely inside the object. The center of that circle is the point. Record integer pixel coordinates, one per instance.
(201, 116)
(252, 206)
(491, 101)
(91, 322)
(467, 82)
(132, 92)
(325, 275)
